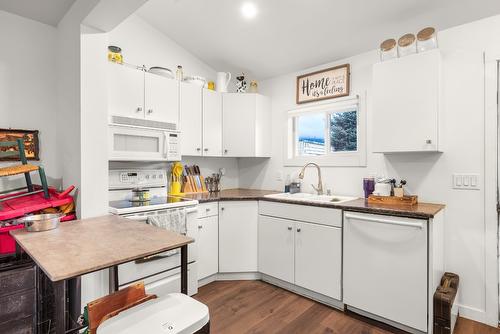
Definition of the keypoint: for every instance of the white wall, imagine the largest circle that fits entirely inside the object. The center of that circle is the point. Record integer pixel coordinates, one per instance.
(28, 88)
(142, 44)
(428, 175)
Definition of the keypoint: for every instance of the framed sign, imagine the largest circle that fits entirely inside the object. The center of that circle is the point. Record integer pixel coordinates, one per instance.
(30, 138)
(325, 84)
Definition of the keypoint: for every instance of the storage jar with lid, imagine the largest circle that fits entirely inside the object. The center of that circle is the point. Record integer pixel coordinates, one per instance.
(427, 39)
(388, 49)
(407, 45)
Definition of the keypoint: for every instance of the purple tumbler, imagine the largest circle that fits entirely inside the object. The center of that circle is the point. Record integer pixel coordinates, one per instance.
(368, 186)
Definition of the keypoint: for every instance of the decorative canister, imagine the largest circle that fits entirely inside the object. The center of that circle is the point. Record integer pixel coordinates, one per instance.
(115, 54)
(388, 49)
(254, 87)
(407, 45)
(211, 85)
(427, 39)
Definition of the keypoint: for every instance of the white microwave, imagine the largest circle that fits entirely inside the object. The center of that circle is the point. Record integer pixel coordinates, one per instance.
(133, 143)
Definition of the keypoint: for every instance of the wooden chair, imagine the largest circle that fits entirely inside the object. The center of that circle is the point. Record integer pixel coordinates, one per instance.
(24, 168)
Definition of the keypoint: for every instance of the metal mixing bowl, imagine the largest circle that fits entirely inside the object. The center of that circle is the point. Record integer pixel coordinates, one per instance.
(43, 222)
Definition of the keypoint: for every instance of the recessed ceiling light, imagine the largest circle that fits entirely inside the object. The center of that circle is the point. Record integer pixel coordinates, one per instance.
(249, 10)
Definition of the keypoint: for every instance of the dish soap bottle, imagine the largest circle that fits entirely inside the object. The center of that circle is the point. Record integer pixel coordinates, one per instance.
(287, 183)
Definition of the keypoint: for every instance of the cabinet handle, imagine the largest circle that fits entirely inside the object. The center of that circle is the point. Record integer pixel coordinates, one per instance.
(150, 111)
(200, 227)
(298, 229)
(198, 149)
(428, 141)
(206, 149)
(139, 109)
(383, 221)
(222, 209)
(225, 151)
(289, 228)
(207, 209)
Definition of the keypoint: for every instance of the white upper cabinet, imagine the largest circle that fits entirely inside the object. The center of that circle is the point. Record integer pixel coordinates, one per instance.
(125, 91)
(212, 123)
(161, 98)
(191, 119)
(246, 125)
(406, 104)
(138, 94)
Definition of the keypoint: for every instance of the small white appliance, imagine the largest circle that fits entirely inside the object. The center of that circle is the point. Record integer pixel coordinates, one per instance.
(131, 139)
(172, 314)
(160, 273)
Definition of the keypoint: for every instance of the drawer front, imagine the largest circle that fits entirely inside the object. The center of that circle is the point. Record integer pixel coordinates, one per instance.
(16, 280)
(305, 213)
(17, 306)
(208, 209)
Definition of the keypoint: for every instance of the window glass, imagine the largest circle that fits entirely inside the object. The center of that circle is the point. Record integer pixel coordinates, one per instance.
(311, 135)
(343, 131)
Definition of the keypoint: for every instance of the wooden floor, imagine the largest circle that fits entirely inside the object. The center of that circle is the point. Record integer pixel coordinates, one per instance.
(238, 307)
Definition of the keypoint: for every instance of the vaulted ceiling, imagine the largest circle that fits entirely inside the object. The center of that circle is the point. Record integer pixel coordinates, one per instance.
(45, 11)
(288, 35)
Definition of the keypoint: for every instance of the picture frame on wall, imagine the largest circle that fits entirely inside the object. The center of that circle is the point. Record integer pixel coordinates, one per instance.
(31, 143)
(325, 84)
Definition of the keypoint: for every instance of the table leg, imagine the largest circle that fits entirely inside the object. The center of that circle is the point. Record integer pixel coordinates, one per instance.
(184, 269)
(75, 299)
(60, 306)
(113, 279)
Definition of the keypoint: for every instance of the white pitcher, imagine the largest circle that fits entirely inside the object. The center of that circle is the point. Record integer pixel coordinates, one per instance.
(223, 79)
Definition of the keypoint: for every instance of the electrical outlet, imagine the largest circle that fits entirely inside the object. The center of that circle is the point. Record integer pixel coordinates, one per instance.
(466, 181)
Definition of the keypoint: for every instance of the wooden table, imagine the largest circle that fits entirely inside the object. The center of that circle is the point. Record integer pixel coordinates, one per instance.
(83, 246)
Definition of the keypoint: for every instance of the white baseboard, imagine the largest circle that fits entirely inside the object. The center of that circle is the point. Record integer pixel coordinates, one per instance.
(304, 292)
(476, 315)
(252, 276)
(206, 280)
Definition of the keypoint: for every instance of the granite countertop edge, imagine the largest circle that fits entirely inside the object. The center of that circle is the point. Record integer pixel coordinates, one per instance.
(358, 205)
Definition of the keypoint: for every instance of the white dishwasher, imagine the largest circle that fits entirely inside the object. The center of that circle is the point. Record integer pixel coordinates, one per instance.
(385, 267)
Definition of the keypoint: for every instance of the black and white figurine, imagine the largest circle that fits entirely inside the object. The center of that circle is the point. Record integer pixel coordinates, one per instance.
(241, 84)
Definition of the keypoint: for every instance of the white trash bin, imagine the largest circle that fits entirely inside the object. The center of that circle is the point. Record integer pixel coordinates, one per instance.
(175, 313)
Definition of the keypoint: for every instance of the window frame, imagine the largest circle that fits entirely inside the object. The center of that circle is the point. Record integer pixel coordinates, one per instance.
(342, 159)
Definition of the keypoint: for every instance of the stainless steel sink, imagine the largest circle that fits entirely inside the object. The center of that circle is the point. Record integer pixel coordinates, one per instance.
(306, 197)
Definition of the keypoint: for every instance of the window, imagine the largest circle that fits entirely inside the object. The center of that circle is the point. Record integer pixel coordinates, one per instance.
(331, 134)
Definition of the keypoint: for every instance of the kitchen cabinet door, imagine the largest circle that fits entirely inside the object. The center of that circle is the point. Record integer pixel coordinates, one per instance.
(239, 125)
(385, 267)
(212, 123)
(191, 119)
(276, 247)
(318, 258)
(238, 236)
(125, 91)
(406, 103)
(208, 246)
(161, 99)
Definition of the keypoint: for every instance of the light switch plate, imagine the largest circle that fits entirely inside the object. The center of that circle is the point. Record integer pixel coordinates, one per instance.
(466, 181)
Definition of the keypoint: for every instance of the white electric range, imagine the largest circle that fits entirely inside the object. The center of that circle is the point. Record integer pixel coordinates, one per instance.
(160, 273)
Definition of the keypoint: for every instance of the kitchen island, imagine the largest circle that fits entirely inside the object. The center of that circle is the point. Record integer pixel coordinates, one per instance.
(84, 246)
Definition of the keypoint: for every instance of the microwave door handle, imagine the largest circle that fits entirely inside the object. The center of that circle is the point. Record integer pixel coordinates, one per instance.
(165, 144)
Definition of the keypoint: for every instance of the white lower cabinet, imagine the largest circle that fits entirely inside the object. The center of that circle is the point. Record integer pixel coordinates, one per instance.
(385, 267)
(238, 236)
(276, 247)
(305, 254)
(318, 258)
(208, 242)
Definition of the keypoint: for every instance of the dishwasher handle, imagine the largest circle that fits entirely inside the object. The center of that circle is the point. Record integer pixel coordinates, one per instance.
(384, 221)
